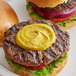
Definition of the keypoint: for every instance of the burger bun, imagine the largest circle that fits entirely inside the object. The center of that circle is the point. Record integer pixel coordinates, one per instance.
(7, 18)
(47, 3)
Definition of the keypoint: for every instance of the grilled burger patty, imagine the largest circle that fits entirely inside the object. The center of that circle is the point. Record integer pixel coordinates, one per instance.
(35, 58)
(64, 6)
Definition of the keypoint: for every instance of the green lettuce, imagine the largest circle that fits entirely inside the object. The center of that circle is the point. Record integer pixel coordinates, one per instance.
(41, 72)
(67, 21)
(32, 13)
(36, 16)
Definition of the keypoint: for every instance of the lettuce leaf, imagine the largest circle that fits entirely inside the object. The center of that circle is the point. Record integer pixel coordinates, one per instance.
(32, 13)
(36, 16)
(41, 72)
(67, 21)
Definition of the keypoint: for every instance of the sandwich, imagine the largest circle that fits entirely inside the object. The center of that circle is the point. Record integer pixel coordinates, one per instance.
(62, 12)
(36, 48)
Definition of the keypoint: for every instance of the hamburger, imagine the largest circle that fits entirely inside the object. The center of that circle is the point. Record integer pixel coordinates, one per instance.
(8, 18)
(36, 48)
(62, 12)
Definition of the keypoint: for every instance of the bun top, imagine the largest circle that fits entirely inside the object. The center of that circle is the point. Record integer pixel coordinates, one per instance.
(47, 3)
(7, 18)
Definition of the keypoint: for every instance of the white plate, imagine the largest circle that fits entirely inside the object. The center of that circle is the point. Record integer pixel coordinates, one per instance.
(69, 69)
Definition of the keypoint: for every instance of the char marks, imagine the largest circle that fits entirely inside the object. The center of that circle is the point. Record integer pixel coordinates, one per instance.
(34, 58)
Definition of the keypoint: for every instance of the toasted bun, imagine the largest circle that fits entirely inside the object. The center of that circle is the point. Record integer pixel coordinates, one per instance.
(55, 71)
(47, 3)
(7, 18)
(69, 25)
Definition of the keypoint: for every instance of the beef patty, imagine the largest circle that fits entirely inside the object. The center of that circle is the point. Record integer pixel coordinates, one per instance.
(34, 58)
(64, 6)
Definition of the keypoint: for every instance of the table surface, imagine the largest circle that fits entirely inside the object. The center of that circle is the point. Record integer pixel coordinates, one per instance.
(20, 9)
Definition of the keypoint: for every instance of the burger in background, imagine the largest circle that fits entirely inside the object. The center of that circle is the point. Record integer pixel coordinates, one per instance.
(7, 18)
(60, 11)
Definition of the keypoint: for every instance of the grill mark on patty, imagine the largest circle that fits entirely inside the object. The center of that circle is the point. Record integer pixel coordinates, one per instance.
(51, 52)
(61, 39)
(64, 6)
(35, 58)
(39, 56)
(21, 57)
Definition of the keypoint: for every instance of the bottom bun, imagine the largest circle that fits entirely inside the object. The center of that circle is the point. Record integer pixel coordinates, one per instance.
(70, 25)
(55, 71)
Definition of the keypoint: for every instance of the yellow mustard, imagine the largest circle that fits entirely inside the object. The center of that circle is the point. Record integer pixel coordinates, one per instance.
(36, 37)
